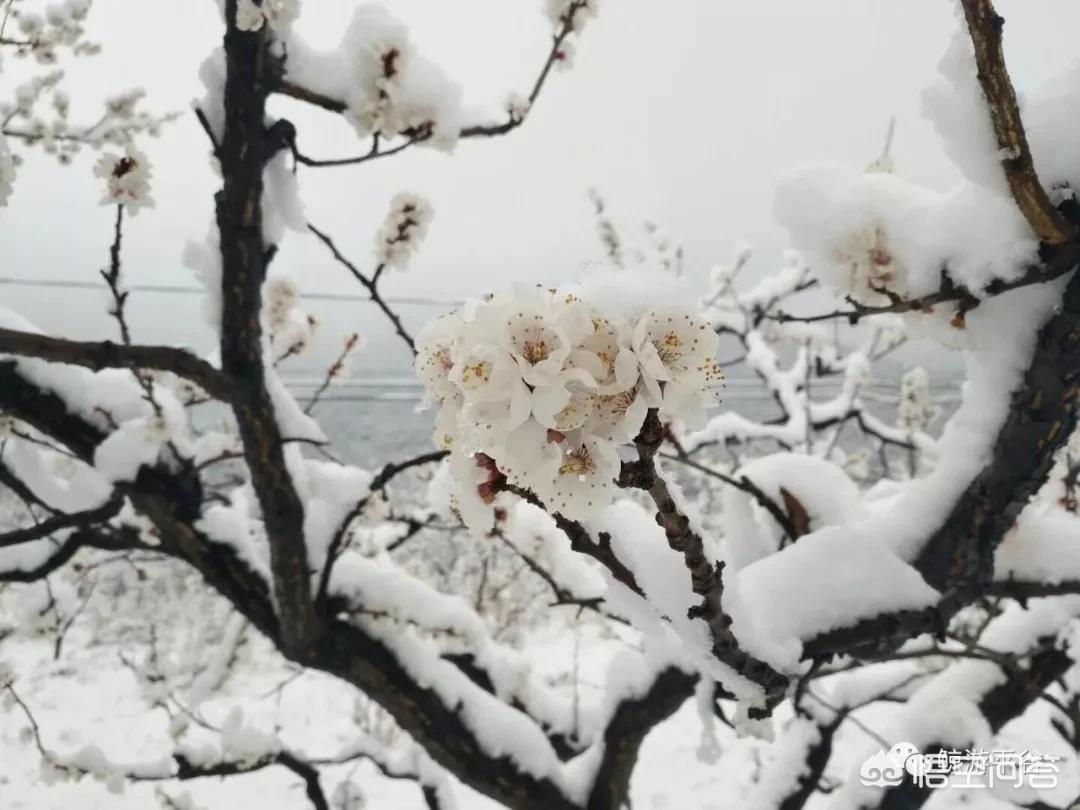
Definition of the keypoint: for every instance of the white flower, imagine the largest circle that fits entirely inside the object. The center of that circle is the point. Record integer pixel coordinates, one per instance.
(403, 230)
(123, 105)
(128, 179)
(471, 475)
(538, 340)
(435, 346)
(584, 480)
(447, 422)
(485, 372)
(249, 17)
(606, 355)
(869, 265)
(618, 417)
(916, 410)
(564, 57)
(542, 387)
(281, 297)
(677, 356)
(290, 328)
(281, 13)
(517, 107)
(7, 172)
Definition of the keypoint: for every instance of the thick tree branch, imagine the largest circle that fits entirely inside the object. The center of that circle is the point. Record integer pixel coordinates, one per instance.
(173, 502)
(632, 719)
(1021, 687)
(984, 26)
(958, 557)
(245, 149)
(98, 355)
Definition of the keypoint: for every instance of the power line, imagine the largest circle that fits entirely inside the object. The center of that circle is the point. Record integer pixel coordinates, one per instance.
(177, 289)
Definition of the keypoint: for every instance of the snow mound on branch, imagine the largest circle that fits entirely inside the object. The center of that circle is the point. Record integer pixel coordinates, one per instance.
(827, 580)
(823, 489)
(1043, 547)
(386, 85)
(863, 231)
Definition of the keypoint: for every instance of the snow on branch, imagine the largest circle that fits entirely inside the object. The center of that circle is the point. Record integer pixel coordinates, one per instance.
(98, 355)
(402, 94)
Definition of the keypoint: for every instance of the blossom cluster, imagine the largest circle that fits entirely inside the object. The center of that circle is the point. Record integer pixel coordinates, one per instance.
(539, 389)
(250, 15)
(127, 179)
(392, 89)
(402, 231)
(574, 12)
(916, 409)
(571, 14)
(868, 265)
(290, 328)
(61, 25)
(7, 172)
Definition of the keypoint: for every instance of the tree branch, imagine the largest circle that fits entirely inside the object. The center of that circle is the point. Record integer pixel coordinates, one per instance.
(334, 105)
(98, 355)
(57, 523)
(984, 26)
(245, 149)
(370, 284)
(706, 579)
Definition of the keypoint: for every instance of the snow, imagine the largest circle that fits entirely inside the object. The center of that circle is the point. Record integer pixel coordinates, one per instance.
(1044, 546)
(829, 496)
(863, 230)
(386, 85)
(829, 579)
(545, 389)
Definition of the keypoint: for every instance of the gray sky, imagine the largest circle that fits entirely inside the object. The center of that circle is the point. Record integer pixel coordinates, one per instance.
(685, 112)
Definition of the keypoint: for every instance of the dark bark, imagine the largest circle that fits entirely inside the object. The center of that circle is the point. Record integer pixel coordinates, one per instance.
(243, 155)
(1000, 705)
(958, 557)
(97, 355)
(632, 720)
(706, 579)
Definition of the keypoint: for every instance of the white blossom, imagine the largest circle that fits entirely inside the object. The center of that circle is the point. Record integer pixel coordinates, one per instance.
(517, 106)
(7, 172)
(249, 16)
(281, 13)
(677, 356)
(403, 230)
(869, 265)
(128, 179)
(542, 387)
(916, 411)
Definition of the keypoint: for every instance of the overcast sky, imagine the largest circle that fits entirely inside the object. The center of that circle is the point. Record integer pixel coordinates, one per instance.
(685, 112)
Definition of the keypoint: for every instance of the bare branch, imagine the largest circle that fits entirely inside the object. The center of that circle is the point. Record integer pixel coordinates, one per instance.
(370, 284)
(61, 522)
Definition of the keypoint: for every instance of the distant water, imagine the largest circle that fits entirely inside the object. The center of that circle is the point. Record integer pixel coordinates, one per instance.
(371, 421)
